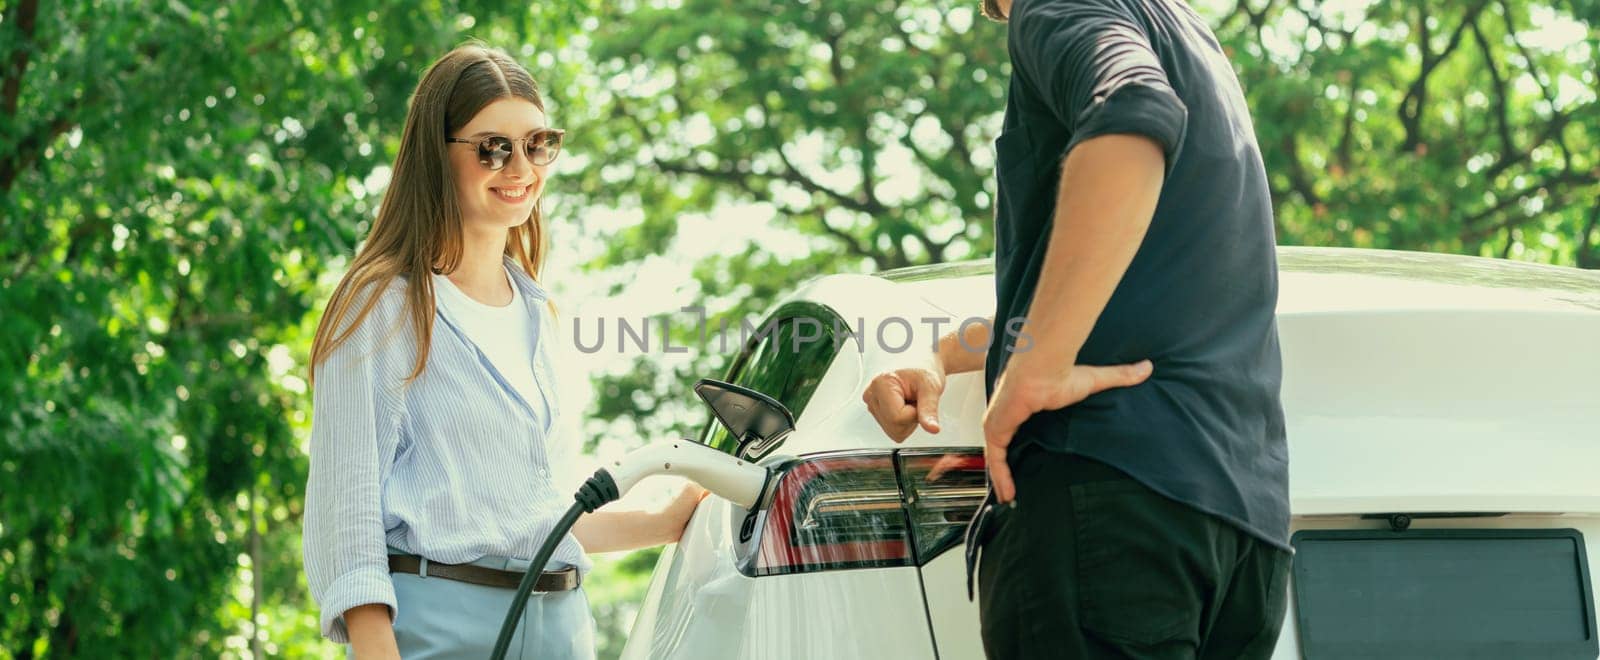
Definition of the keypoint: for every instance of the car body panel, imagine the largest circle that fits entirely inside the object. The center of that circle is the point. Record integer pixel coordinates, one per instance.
(1438, 411)
(955, 618)
(700, 606)
(1413, 383)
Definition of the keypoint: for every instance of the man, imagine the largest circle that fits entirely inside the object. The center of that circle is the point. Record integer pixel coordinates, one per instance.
(1140, 509)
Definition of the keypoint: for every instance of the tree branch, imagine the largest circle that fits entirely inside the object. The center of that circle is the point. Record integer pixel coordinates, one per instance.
(78, 238)
(1415, 100)
(1240, 8)
(852, 244)
(1314, 19)
(861, 118)
(792, 174)
(1508, 148)
(1511, 30)
(927, 160)
(24, 15)
(746, 182)
(1298, 181)
(272, 43)
(1345, 136)
(1558, 118)
(952, 127)
(30, 148)
(26, 150)
(1509, 155)
(734, 176)
(1588, 252)
(1550, 185)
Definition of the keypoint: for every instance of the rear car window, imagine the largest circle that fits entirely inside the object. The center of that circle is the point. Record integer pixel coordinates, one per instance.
(786, 364)
(1444, 593)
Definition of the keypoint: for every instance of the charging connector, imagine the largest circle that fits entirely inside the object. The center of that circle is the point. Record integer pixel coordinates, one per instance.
(735, 480)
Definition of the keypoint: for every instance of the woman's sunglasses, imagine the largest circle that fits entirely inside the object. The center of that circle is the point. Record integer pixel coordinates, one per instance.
(494, 151)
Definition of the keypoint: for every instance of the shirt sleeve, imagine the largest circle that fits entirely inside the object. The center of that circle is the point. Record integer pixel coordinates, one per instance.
(354, 435)
(1095, 69)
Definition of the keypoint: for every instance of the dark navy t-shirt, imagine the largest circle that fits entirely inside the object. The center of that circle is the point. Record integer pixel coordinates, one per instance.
(1198, 300)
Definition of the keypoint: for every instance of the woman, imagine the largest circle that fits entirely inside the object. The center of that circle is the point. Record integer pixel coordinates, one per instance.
(435, 411)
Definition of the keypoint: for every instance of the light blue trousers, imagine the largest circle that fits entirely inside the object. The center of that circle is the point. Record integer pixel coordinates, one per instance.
(439, 618)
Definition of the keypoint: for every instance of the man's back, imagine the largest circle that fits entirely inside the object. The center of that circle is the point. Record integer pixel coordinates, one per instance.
(1198, 299)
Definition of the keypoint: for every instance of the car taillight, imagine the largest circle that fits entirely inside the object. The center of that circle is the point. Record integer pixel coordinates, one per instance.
(943, 489)
(867, 510)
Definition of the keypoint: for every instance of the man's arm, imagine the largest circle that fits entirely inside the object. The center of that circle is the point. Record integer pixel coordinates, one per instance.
(1108, 193)
(1109, 188)
(960, 352)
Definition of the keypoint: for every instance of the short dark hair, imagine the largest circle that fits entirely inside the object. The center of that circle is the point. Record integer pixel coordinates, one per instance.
(991, 10)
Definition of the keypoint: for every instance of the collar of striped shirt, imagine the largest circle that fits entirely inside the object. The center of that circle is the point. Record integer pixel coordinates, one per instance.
(536, 303)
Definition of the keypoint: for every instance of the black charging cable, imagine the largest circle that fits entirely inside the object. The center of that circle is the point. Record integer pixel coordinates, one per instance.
(596, 492)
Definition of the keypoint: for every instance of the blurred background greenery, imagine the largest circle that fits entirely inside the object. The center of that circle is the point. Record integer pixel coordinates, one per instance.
(181, 183)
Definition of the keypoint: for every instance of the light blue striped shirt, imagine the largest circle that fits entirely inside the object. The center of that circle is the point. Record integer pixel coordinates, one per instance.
(454, 467)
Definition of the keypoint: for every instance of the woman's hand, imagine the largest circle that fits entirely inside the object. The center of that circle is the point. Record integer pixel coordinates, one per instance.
(676, 516)
(371, 632)
(612, 531)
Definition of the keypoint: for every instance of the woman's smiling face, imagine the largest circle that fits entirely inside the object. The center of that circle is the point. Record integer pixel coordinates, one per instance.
(501, 198)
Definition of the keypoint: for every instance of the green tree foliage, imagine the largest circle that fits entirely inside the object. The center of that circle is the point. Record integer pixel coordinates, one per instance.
(860, 122)
(180, 183)
(859, 130)
(1467, 127)
(176, 181)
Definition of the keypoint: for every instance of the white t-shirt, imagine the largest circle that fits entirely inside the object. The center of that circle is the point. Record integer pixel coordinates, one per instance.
(504, 334)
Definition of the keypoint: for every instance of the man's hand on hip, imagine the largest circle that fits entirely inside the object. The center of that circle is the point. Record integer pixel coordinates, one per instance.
(1023, 390)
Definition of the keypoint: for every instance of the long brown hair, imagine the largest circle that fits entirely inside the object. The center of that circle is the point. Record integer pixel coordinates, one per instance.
(418, 228)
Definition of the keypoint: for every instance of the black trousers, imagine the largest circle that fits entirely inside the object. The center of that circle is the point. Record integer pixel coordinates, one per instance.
(1091, 564)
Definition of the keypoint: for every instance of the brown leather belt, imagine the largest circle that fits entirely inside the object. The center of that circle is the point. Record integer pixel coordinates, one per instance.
(565, 579)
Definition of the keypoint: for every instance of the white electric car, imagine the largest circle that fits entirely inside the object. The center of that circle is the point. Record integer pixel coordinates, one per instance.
(1444, 440)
